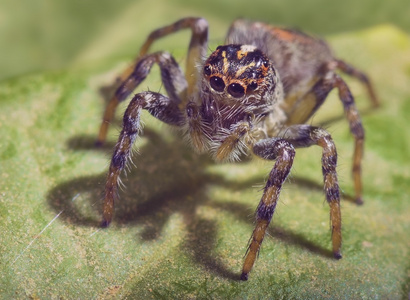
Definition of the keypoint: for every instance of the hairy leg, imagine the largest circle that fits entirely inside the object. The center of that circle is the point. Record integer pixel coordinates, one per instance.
(197, 47)
(305, 136)
(232, 143)
(159, 106)
(197, 50)
(308, 105)
(357, 130)
(352, 71)
(283, 152)
(172, 78)
(137, 72)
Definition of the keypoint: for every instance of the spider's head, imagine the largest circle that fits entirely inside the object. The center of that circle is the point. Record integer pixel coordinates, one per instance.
(240, 75)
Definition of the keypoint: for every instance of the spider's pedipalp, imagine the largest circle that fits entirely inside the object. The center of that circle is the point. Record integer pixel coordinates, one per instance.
(230, 143)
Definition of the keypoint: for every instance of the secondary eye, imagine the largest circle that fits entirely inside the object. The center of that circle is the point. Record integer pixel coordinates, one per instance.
(265, 63)
(252, 86)
(207, 70)
(236, 90)
(217, 83)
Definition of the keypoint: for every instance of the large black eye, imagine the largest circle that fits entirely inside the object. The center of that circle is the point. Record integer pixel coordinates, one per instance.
(236, 90)
(207, 70)
(217, 83)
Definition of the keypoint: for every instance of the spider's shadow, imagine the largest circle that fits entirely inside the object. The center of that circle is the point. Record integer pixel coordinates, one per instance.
(169, 179)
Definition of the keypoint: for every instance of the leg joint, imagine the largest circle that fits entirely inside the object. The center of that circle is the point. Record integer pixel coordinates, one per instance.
(272, 148)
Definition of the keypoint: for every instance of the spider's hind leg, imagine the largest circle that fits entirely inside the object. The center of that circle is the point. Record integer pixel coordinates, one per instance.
(352, 71)
(357, 130)
(311, 101)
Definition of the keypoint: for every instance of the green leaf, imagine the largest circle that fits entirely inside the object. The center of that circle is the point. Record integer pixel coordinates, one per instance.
(182, 223)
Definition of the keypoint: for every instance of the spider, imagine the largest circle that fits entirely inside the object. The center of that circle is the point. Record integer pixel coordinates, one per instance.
(253, 94)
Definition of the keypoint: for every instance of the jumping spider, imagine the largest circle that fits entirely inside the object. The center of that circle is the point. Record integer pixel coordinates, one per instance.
(251, 95)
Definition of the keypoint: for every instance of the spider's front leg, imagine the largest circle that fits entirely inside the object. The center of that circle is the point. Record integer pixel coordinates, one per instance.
(136, 73)
(197, 50)
(306, 136)
(160, 107)
(172, 78)
(284, 153)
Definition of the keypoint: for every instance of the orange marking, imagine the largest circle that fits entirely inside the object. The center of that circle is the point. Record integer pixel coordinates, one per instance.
(336, 221)
(284, 34)
(244, 68)
(270, 196)
(226, 62)
(257, 238)
(241, 54)
(290, 36)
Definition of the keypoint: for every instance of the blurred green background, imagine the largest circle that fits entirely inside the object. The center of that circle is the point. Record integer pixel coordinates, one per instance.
(182, 223)
(47, 34)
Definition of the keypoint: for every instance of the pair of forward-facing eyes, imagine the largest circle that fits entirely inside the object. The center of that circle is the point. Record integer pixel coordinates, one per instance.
(235, 89)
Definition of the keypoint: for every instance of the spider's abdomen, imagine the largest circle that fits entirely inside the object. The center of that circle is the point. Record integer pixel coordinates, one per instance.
(299, 58)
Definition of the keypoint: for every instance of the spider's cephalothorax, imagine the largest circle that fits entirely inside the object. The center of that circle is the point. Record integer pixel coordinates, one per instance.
(239, 88)
(252, 95)
(240, 75)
